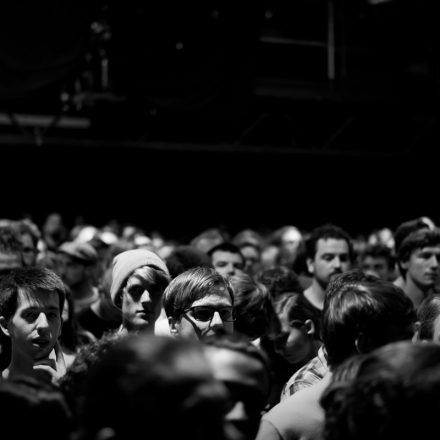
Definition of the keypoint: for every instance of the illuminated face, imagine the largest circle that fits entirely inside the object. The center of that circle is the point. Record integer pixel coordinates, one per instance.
(331, 258)
(35, 326)
(141, 302)
(227, 264)
(423, 266)
(194, 325)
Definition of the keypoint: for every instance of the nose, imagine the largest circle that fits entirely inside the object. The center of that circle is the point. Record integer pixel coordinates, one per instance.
(42, 322)
(237, 413)
(146, 297)
(434, 261)
(216, 321)
(337, 263)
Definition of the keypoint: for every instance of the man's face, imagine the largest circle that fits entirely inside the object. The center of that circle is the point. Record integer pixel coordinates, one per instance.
(331, 258)
(35, 326)
(423, 266)
(248, 384)
(377, 266)
(227, 264)
(71, 271)
(141, 303)
(196, 323)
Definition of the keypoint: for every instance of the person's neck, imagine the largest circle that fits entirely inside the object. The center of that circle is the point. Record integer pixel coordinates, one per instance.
(315, 294)
(415, 292)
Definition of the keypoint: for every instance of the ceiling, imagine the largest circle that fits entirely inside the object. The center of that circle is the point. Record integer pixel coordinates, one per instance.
(310, 77)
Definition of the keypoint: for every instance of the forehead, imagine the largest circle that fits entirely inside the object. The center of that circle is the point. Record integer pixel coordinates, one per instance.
(233, 366)
(428, 249)
(369, 259)
(40, 298)
(226, 256)
(331, 246)
(220, 297)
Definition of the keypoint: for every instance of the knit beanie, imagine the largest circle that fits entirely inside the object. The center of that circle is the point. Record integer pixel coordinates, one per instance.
(125, 263)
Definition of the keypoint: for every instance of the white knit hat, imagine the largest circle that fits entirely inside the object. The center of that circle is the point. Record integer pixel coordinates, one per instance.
(125, 263)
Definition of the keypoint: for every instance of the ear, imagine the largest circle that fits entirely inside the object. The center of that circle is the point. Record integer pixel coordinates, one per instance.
(4, 326)
(105, 434)
(404, 264)
(363, 343)
(416, 336)
(310, 266)
(309, 327)
(172, 322)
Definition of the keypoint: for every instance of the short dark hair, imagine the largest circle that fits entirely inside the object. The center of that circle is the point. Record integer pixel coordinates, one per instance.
(41, 407)
(416, 240)
(326, 232)
(406, 228)
(164, 383)
(361, 304)
(297, 307)
(394, 394)
(380, 250)
(280, 280)
(190, 286)
(28, 279)
(183, 258)
(252, 305)
(238, 342)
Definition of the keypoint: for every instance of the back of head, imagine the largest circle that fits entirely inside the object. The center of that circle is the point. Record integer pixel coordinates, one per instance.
(253, 307)
(146, 385)
(361, 313)
(280, 280)
(183, 258)
(395, 393)
(31, 409)
(32, 281)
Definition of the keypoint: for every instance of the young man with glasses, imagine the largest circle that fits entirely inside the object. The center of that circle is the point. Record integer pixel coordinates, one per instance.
(199, 303)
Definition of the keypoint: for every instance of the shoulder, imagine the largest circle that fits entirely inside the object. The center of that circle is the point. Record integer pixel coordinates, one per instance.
(307, 376)
(299, 416)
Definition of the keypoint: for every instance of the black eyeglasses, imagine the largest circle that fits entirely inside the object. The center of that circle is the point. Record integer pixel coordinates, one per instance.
(206, 313)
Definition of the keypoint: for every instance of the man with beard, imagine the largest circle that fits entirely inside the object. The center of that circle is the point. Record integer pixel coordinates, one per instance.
(139, 278)
(329, 253)
(31, 303)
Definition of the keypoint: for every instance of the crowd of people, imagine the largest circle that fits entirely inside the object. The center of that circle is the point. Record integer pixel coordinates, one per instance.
(111, 333)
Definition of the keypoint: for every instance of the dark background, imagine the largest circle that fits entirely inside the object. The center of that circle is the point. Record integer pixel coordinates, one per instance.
(241, 114)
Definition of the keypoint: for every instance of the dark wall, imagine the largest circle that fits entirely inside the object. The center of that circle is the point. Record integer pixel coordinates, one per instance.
(180, 193)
